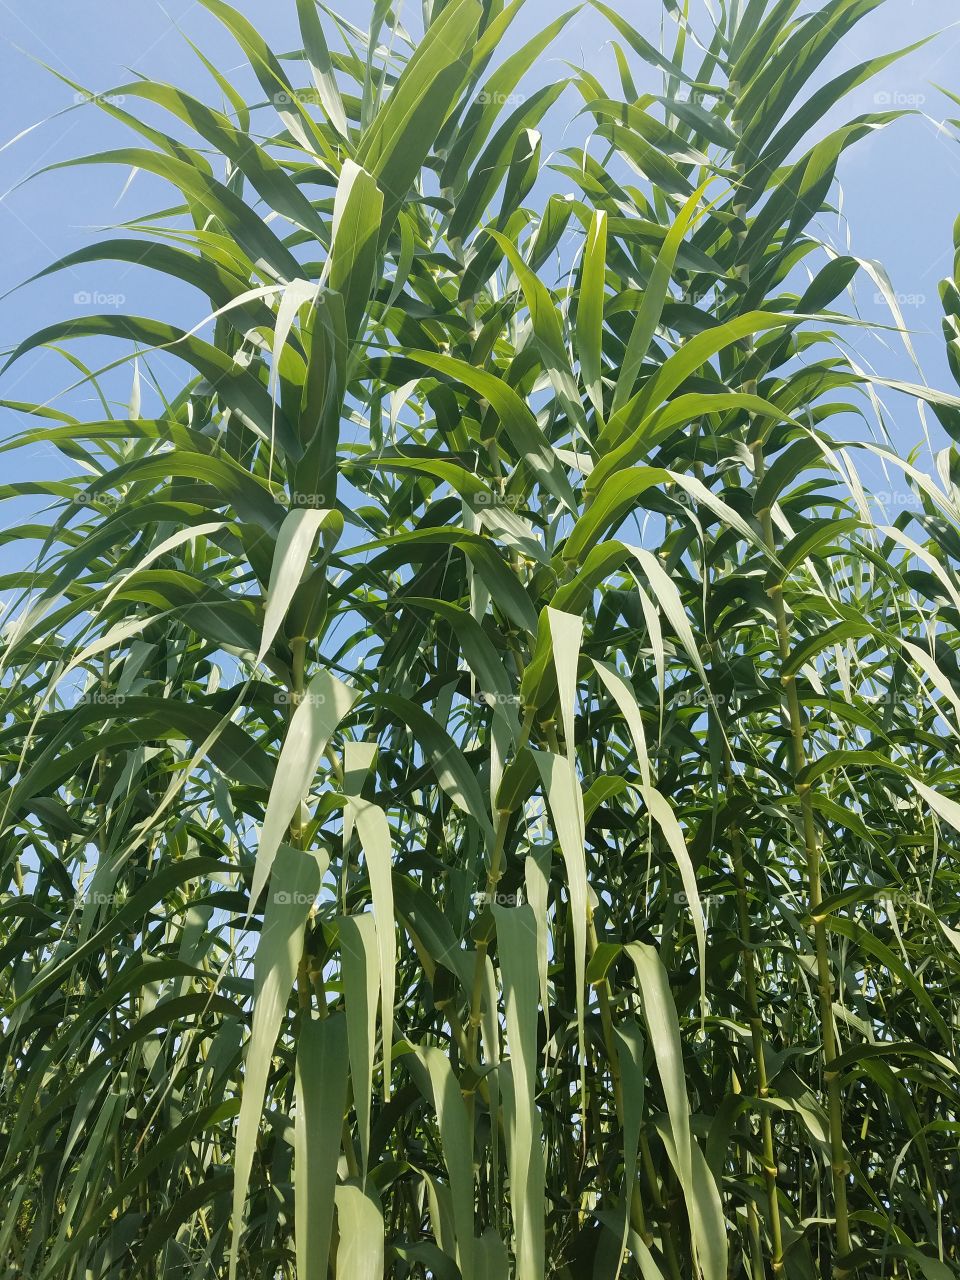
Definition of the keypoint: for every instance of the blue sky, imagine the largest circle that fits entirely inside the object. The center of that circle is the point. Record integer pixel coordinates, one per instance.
(901, 187)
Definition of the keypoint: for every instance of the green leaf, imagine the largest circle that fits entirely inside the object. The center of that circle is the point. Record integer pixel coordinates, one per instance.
(457, 1142)
(547, 329)
(294, 886)
(452, 772)
(321, 66)
(590, 309)
(699, 1188)
(660, 1015)
(360, 1219)
(325, 703)
(357, 220)
(238, 390)
(361, 985)
(215, 199)
(269, 72)
(615, 499)
(516, 941)
(668, 598)
(565, 801)
(322, 1074)
(654, 297)
(295, 545)
(374, 832)
(518, 421)
(633, 1086)
(402, 133)
(479, 120)
(942, 806)
(265, 175)
(666, 820)
(492, 166)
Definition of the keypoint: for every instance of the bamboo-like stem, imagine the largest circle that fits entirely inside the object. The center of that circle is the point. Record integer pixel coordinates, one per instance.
(470, 1046)
(839, 1165)
(604, 991)
(748, 960)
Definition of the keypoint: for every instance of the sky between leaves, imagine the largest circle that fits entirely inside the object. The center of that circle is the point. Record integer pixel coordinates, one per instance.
(900, 187)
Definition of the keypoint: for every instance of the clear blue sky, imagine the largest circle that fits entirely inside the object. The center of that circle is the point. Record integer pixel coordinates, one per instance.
(901, 187)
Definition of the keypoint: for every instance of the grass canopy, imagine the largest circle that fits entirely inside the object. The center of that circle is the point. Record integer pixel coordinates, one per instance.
(481, 790)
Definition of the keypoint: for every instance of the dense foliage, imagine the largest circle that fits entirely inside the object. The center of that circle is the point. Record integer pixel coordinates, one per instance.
(481, 791)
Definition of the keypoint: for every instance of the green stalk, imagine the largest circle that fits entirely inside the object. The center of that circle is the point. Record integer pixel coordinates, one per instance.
(812, 850)
(748, 961)
(637, 1215)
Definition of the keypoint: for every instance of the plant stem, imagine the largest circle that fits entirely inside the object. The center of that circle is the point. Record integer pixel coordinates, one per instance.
(748, 961)
(637, 1216)
(815, 896)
